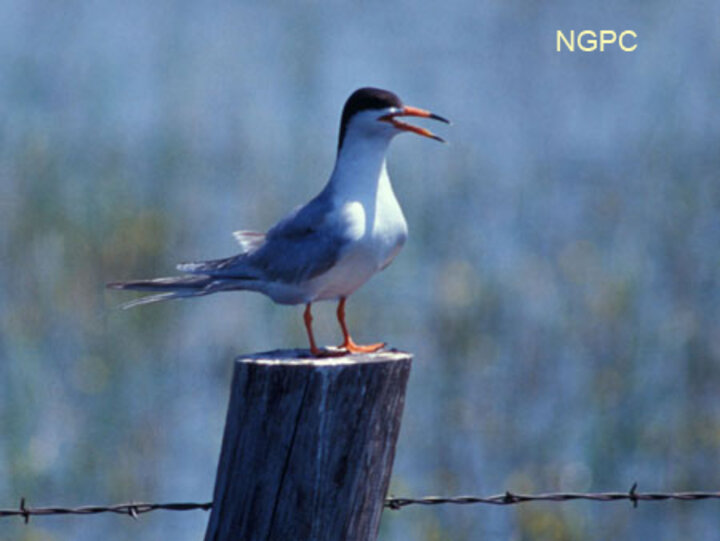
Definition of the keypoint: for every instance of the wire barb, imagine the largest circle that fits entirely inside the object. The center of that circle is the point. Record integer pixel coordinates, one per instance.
(633, 495)
(23, 511)
(133, 512)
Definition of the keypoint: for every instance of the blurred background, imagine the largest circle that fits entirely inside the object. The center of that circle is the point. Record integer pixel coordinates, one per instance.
(559, 289)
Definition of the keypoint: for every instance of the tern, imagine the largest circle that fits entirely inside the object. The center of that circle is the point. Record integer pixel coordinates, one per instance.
(328, 248)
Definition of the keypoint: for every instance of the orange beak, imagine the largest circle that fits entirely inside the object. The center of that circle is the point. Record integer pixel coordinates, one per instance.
(407, 110)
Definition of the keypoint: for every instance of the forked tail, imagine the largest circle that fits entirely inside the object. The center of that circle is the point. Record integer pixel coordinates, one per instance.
(173, 287)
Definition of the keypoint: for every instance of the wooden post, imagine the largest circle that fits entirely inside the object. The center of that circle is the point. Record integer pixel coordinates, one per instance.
(308, 447)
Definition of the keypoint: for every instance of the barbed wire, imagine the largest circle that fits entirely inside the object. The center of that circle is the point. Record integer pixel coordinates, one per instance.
(134, 510)
(510, 498)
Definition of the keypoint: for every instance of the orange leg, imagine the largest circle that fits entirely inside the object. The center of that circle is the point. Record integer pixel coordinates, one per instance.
(348, 344)
(316, 351)
(307, 317)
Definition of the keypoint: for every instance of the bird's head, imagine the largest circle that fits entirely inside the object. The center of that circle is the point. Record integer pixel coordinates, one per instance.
(372, 112)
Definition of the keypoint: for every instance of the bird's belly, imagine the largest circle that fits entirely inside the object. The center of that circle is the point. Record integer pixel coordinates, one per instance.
(359, 263)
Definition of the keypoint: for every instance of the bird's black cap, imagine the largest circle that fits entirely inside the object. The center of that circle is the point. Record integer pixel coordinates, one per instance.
(362, 100)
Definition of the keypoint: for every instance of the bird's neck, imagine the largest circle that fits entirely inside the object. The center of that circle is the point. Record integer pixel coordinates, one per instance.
(360, 168)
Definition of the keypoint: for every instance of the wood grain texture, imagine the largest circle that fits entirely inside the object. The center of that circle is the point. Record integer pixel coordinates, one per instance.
(308, 447)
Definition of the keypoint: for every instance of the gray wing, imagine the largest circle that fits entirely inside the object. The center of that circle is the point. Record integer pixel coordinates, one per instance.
(303, 245)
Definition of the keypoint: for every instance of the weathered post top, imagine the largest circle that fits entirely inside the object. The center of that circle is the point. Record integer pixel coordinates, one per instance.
(299, 357)
(308, 446)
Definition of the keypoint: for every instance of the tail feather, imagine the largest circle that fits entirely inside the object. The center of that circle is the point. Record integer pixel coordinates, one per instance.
(174, 287)
(181, 287)
(149, 299)
(163, 284)
(200, 267)
(228, 266)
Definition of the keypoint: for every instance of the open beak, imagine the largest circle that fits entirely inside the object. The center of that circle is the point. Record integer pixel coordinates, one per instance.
(407, 110)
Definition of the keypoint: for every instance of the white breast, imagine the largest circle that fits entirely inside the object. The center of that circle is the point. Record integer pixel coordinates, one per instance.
(377, 231)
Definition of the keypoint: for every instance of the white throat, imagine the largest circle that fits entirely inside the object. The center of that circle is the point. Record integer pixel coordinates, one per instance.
(360, 171)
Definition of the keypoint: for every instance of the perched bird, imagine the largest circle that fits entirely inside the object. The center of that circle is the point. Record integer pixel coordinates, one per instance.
(328, 248)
